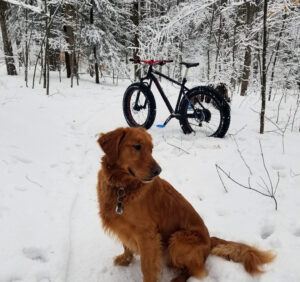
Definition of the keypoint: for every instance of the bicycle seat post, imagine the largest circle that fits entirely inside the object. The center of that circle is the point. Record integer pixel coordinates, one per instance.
(185, 75)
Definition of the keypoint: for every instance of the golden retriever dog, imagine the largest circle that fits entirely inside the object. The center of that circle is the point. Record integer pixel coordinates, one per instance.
(152, 219)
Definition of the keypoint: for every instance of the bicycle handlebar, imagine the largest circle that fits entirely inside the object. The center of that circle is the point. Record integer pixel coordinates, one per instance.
(150, 62)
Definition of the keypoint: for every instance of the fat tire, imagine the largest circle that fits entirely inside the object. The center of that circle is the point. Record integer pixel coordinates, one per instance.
(220, 104)
(127, 105)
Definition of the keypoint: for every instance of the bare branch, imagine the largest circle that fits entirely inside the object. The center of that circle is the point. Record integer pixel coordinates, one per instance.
(270, 190)
(238, 131)
(265, 167)
(296, 110)
(238, 183)
(33, 182)
(25, 6)
(217, 167)
(293, 174)
(176, 146)
(240, 153)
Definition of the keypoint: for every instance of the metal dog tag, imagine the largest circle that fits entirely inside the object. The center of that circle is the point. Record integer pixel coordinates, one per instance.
(119, 208)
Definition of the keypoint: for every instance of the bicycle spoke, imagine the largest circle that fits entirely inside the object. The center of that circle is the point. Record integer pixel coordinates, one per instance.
(139, 107)
(203, 115)
(199, 102)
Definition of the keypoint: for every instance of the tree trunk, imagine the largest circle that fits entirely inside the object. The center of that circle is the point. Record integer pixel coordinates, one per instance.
(8, 51)
(276, 57)
(233, 75)
(218, 44)
(68, 64)
(264, 70)
(136, 44)
(94, 48)
(46, 74)
(70, 57)
(209, 40)
(250, 8)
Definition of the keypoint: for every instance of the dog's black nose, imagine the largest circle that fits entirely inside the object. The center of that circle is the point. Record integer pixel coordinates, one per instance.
(156, 170)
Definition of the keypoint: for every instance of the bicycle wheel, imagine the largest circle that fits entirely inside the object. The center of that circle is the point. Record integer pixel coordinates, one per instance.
(139, 106)
(204, 111)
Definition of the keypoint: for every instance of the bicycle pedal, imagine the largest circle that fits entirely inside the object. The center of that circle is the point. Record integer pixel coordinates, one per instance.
(161, 125)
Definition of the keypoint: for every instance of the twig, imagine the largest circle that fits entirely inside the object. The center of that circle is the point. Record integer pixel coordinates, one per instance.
(267, 118)
(176, 146)
(278, 109)
(270, 189)
(240, 153)
(273, 190)
(33, 182)
(296, 110)
(282, 130)
(241, 185)
(217, 168)
(285, 128)
(278, 178)
(236, 133)
(265, 167)
(293, 174)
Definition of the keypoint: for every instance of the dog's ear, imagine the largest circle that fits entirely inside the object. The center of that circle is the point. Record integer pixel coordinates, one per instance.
(110, 142)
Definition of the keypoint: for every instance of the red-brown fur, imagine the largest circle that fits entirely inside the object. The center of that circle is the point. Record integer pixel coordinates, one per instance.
(158, 223)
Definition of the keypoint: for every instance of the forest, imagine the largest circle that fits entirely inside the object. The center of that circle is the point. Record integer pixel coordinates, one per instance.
(237, 42)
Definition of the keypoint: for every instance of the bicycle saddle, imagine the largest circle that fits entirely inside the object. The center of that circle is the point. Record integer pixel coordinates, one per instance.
(190, 65)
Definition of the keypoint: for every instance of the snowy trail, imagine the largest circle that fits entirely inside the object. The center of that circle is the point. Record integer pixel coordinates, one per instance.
(49, 159)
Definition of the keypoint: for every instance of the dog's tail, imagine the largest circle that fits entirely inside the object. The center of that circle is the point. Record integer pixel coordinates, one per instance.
(250, 257)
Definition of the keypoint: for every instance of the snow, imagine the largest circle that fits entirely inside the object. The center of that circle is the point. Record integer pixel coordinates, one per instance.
(49, 158)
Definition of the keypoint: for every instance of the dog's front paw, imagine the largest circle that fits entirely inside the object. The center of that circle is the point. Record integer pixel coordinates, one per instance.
(123, 260)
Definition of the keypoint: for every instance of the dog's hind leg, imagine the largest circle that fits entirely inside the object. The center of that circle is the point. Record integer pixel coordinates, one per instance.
(125, 258)
(188, 250)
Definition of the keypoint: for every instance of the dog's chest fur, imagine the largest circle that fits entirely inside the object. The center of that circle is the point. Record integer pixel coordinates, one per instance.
(124, 225)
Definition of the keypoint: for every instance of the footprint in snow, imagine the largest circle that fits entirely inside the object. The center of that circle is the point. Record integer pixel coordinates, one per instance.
(104, 269)
(297, 232)
(3, 210)
(22, 160)
(44, 279)
(222, 212)
(35, 254)
(20, 188)
(278, 166)
(267, 231)
(15, 279)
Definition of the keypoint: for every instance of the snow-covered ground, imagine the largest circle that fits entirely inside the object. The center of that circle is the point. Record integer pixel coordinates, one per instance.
(49, 158)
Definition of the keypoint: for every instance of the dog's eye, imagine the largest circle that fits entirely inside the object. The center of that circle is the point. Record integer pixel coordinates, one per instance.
(138, 147)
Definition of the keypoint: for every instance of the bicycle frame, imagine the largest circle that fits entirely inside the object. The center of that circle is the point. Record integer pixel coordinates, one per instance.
(183, 89)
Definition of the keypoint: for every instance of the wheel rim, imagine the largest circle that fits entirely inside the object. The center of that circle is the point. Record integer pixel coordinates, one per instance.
(139, 109)
(208, 117)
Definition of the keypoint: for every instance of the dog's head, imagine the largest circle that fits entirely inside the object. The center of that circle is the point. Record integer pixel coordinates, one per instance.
(131, 150)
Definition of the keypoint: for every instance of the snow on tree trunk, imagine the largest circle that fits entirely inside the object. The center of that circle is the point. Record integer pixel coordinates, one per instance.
(248, 51)
(264, 70)
(70, 56)
(8, 51)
